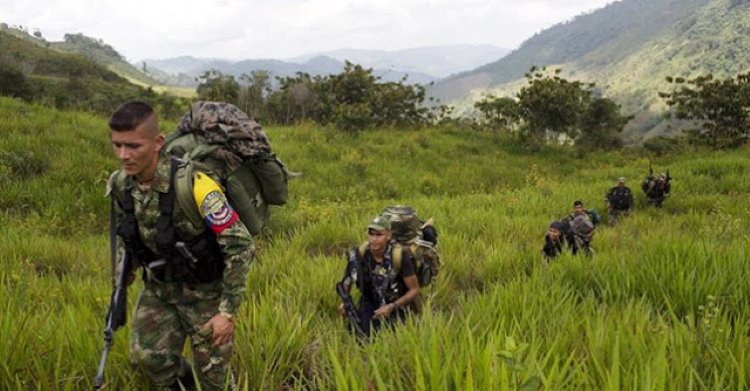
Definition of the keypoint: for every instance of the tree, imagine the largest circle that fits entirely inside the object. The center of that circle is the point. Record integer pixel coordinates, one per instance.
(214, 85)
(497, 113)
(551, 105)
(718, 109)
(601, 125)
(252, 98)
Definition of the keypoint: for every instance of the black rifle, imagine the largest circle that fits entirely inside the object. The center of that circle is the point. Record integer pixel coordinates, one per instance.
(116, 315)
(352, 315)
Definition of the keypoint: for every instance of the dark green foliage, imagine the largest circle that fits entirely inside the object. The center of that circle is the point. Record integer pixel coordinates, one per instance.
(252, 96)
(295, 99)
(497, 113)
(216, 86)
(13, 83)
(551, 106)
(355, 100)
(601, 125)
(351, 100)
(718, 109)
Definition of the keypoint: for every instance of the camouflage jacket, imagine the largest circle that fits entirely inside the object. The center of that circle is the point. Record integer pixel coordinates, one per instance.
(235, 241)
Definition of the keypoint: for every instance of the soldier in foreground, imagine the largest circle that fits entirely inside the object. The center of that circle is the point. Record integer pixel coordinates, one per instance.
(194, 276)
(656, 189)
(619, 200)
(579, 228)
(385, 274)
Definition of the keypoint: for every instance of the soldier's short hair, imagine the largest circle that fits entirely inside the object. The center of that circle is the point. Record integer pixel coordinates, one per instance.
(130, 115)
(577, 203)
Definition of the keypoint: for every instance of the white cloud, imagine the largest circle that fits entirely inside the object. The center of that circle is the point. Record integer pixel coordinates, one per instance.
(254, 29)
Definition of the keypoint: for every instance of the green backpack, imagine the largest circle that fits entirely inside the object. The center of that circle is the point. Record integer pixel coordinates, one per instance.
(225, 140)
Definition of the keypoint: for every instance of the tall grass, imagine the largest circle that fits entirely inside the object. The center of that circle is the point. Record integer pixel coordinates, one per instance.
(662, 306)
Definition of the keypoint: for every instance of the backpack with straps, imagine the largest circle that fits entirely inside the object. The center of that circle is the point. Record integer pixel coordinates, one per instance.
(582, 224)
(235, 148)
(418, 236)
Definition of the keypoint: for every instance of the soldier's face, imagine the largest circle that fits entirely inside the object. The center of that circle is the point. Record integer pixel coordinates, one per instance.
(137, 150)
(378, 240)
(553, 233)
(578, 209)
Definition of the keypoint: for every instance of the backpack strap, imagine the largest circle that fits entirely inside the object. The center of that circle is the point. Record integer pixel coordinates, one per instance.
(361, 249)
(397, 251)
(396, 257)
(183, 186)
(173, 136)
(201, 151)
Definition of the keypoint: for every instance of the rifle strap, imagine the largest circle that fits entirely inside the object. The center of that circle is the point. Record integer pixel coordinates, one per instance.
(112, 236)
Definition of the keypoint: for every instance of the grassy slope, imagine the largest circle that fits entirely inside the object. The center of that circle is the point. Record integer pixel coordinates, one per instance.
(625, 321)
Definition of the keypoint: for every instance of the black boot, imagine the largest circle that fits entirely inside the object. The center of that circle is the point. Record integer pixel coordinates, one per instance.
(185, 380)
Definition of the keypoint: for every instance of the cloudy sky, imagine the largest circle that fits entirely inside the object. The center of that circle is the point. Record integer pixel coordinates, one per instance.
(241, 29)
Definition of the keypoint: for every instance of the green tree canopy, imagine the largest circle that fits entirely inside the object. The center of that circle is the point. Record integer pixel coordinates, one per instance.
(718, 109)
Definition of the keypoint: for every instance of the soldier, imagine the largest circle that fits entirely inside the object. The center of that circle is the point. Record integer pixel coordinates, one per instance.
(387, 288)
(194, 276)
(552, 243)
(578, 228)
(619, 200)
(656, 189)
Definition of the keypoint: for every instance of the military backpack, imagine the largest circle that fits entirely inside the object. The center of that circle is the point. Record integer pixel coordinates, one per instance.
(236, 149)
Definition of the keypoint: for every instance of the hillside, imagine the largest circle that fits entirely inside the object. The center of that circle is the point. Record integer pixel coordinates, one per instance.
(34, 72)
(627, 48)
(103, 54)
(316, 65)
(93, 49)
(662, 306)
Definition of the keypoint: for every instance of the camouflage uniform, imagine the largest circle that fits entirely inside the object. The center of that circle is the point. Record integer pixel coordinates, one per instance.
(168, 312)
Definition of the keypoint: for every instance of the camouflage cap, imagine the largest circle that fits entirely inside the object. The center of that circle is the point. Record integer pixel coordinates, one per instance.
(380, 224)
(621, 179)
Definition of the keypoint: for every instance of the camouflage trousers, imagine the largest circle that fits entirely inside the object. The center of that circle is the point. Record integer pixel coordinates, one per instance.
(167, 314)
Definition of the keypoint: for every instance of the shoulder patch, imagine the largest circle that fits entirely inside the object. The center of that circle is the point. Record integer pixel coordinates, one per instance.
(212, 203)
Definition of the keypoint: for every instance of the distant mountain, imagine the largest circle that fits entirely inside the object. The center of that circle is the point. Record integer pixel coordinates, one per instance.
(316, 65)
(437, 61)
(627, 48)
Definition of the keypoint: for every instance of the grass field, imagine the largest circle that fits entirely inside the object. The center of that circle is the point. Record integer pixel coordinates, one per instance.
(662, 306)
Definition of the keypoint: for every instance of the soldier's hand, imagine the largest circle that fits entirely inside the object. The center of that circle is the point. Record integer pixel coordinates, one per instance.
(222, 328)
(341, 310)
(384, 311)
(130, 279)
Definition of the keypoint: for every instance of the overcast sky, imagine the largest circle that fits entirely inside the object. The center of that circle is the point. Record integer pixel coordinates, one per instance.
(242, 29)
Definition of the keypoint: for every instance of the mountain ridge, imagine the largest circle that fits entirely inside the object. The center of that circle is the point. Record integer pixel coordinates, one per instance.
(627, 48)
